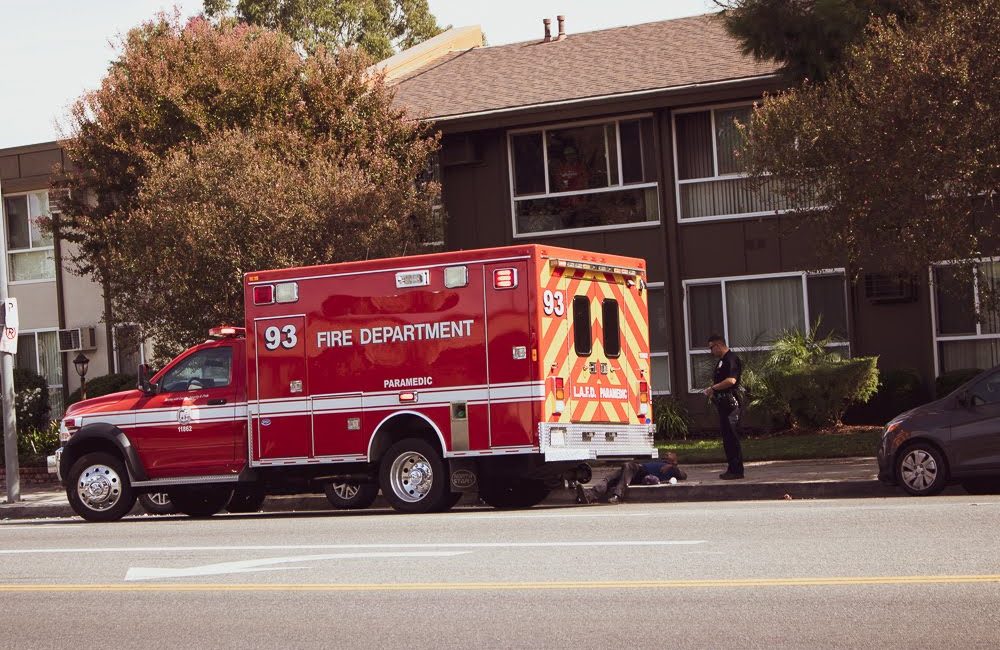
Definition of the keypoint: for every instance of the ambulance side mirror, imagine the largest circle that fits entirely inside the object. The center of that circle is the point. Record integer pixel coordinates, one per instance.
(143, 380)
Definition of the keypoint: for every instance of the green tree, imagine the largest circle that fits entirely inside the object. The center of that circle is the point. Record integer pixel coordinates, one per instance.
(809, 38)
(901, 147)
(378, 27)
(209, 152)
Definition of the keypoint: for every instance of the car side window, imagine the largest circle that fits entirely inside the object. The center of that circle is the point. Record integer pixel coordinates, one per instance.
(987, 391)
(204, 369)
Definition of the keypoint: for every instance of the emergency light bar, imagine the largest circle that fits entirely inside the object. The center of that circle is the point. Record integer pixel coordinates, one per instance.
(593, 266)
(226, 332)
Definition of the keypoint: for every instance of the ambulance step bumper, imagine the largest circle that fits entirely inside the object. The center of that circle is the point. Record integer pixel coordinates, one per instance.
(588, 441)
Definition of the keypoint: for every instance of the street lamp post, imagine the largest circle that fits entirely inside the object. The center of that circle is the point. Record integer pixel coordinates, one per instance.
(80, 363)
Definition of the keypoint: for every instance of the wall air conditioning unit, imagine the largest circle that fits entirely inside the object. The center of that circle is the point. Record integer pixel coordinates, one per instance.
(78, 338)
(885, 288)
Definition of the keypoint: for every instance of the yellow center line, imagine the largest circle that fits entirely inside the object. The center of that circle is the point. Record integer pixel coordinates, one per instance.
(510, 586)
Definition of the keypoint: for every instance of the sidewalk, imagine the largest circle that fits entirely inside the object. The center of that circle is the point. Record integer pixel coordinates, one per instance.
(833, 478)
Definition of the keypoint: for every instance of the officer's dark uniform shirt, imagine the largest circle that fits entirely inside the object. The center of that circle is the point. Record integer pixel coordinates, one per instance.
(729, 366)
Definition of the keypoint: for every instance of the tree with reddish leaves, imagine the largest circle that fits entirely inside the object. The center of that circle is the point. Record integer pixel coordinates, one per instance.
(211, 151)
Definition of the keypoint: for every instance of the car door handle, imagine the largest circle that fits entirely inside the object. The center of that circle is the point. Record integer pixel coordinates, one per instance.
(217, 401)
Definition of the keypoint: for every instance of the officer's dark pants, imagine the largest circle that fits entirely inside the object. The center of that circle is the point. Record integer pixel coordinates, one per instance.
(729, 426)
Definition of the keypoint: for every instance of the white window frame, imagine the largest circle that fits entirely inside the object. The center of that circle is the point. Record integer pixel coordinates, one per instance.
(659, 286)
(804, 275)
(711, 108)
(10, 252)
(114, 345)
(38, 360)
(597, 190)
(978, 336)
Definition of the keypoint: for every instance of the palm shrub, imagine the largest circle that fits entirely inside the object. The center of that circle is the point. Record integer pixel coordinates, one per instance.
(671, 417)
(806, 382)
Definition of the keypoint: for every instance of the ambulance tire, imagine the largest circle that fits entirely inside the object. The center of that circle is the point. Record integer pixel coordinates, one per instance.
(513, 494)
(413, 477)
(246, 498)
(98, 488)
(201, 501)
(345, 495)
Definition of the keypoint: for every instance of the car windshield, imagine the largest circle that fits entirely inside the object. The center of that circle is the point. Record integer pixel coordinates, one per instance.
(203, 369)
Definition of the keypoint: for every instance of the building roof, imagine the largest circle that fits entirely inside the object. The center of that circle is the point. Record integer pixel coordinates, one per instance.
(619, 61)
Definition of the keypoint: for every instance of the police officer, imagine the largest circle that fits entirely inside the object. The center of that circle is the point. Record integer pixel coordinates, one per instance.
(724, 392)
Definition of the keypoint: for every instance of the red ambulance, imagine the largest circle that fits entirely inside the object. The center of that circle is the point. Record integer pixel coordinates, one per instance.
(498, 371)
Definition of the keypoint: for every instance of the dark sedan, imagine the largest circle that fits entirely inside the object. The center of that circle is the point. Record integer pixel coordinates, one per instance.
(955, 439)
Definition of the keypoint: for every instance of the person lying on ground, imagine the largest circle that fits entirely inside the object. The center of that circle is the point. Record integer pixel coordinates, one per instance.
(614, 488)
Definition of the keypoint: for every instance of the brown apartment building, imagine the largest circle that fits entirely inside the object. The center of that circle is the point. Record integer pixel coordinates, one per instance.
(621, 140)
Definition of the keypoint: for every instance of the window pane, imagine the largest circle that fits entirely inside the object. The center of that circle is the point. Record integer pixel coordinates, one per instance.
(612, 330)
(961, 355)
(728, 138)
(702, 370)
(577, 158)
(49, 358)
(26, 354)
(987, 390)
(38, 206)
(694, 145)
(657, 319)
(828, 306)
(581, 326)
(660, 373)
(631, 135)
(529, 168)
(989, 297)
(956, 308)
(738, 196)
(587, 210)
(32, 265)
(704, 313)
(759, 311)
(611, 137)
(203, 369)
(56, 406)
(16, 210)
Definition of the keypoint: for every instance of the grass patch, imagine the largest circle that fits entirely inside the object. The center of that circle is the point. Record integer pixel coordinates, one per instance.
(841, 442)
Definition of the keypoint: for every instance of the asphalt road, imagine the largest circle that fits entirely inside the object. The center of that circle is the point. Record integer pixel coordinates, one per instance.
(796, 574)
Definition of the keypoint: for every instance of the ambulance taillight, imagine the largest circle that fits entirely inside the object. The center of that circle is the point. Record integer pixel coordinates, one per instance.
(643, 398)
(560, 395)
(263, 294)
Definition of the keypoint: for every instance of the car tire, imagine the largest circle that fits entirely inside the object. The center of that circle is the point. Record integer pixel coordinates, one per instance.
(347, 495)
(201, 501)
(921, 469)
(513, 493)
(98, 488)
(246, 498)
(157, 503)
(413, 477)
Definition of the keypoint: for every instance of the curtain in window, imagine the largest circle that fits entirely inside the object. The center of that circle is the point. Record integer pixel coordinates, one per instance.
(759, 311)
(729, 140)
(694, 145)
(989, 297)
(962, 355)
(660, 373)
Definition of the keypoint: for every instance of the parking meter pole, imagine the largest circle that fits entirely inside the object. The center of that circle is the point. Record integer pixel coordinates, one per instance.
(7, 375)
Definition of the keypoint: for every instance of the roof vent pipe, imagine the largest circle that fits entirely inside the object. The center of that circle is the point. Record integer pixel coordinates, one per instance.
(548, 29)
(562, 27)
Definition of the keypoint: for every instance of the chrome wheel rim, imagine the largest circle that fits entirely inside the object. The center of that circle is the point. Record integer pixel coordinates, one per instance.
(345, 491)
(99, 487)
(919, 470)
(411, 477)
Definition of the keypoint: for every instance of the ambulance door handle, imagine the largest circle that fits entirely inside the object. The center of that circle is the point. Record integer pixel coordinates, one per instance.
(217, 401)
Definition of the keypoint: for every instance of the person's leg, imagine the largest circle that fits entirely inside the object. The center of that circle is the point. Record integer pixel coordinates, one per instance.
(729, 425)
(628, 472)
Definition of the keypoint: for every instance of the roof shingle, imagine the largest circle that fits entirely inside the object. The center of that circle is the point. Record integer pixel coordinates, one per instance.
(629, 59)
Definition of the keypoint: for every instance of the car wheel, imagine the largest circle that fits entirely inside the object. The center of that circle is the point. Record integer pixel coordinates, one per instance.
(413, 476)
(157, 503)
(98, 488)
(513, 493)
(201, 501)
(347, 495)
(921, 469)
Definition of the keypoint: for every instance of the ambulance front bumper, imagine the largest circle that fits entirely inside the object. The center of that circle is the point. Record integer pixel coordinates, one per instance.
(561, 442)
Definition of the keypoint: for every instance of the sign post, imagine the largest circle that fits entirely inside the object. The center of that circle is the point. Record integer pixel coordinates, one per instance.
(8, 348)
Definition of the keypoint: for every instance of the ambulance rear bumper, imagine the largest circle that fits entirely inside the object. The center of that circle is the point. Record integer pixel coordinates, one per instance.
(587, 441)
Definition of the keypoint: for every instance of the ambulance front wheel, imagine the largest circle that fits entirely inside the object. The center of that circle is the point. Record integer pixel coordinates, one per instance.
(98, 488)
(413, 476)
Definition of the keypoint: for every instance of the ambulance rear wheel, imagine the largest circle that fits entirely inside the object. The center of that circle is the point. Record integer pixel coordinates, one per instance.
(351, 496)
(413, 477)
(513, 493)
(200, 501)
(98, 488)
(246, 498)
